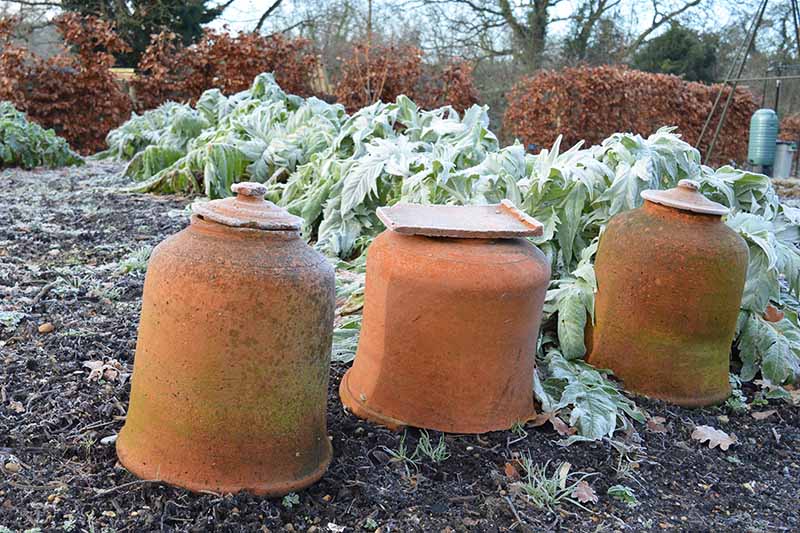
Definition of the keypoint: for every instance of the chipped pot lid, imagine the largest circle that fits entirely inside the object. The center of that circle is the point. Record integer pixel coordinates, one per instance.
(248, 209)
(686, 198)
(498, 221)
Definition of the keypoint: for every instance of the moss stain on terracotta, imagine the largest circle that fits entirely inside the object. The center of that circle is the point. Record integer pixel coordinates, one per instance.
(670, 278)
(230, 374)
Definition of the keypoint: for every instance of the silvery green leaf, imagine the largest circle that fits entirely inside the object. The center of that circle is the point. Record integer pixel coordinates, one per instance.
(572, 323)
(548, 398)
(359, 180)
(224, 166)
(623, 494)
(571, 210)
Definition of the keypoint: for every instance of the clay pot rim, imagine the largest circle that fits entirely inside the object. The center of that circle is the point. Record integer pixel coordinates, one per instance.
(201, 223)
(471, 242)
(503, 220)
(696, 215)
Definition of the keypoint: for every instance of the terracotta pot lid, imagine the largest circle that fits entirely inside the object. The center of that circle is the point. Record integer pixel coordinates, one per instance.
(686, 198)
(248, 209)
(496, 221)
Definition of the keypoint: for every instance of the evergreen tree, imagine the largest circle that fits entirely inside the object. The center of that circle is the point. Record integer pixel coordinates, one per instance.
(682, 52)
(137, 20)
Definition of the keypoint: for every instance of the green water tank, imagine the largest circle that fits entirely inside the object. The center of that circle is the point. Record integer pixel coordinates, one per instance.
(763, 134)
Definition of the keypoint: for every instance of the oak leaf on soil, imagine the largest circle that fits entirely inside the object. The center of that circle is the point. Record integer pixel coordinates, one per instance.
(715, 437)
(110, 370)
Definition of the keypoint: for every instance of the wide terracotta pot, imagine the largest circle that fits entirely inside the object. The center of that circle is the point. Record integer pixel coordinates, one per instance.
(449, 332)
(670, 277)
(231, 369)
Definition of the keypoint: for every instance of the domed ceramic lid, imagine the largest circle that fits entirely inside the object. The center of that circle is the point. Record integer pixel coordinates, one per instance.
(686, 198)
(248, 209)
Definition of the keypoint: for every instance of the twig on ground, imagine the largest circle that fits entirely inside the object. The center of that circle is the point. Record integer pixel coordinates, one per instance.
(514, 510)
(42, 293)
(105, 492)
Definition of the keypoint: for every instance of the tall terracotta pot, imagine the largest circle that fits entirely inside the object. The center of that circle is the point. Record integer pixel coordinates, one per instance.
(230, 376)
(450, 324)
(670, 277)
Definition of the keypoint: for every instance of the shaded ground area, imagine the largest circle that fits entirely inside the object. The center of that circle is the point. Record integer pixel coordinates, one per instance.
(71, 255)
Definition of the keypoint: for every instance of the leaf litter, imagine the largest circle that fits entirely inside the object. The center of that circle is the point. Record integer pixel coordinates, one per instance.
(714, 437)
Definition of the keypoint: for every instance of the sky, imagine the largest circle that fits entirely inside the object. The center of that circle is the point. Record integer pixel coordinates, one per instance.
(242, 15)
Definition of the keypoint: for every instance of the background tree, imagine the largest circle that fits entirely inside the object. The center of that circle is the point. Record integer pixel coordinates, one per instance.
(523, 29)
(682, 52)
(137, 20)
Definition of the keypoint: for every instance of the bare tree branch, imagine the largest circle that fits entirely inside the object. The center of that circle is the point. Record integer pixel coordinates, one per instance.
(33, 3)
(266, 14)
(659, 19)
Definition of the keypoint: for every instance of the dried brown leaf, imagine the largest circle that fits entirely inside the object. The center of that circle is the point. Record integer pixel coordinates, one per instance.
(656, 424)
(110, 370)
(715, 437)
(559, 425)
(511, 471)
(584, 493)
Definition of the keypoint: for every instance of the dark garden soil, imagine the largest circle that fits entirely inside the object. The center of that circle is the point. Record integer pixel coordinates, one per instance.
(68, 246)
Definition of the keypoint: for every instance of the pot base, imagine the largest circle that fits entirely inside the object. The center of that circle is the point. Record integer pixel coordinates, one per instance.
(688, 401)
(359, 409)
(153, 472)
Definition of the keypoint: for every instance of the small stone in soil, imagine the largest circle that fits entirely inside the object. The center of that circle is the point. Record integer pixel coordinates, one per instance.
(47, 327)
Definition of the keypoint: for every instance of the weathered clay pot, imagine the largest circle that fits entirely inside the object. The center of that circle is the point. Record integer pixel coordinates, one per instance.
(670, 277)
(450, 325)
(231, 370)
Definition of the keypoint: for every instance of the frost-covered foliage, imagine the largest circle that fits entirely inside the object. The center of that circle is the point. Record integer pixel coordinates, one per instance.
(170, 126)
(260, 134)
(335, 169)
(26, 144)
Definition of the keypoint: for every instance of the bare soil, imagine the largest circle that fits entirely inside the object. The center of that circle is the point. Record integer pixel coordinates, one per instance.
(64, 239)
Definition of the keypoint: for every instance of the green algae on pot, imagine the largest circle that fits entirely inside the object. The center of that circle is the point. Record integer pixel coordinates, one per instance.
(670, 277)
(230, 376)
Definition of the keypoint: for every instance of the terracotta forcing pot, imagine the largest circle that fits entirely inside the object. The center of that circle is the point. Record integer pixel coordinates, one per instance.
(230, 376)
(453, 302)
(670, 277)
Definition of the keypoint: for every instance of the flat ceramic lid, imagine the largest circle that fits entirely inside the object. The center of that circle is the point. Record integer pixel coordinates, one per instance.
(496, 221)
(248, 209)
(686, 198)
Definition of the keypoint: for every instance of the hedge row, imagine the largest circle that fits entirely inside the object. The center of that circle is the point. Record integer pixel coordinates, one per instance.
(590, 104)
(75, 94)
